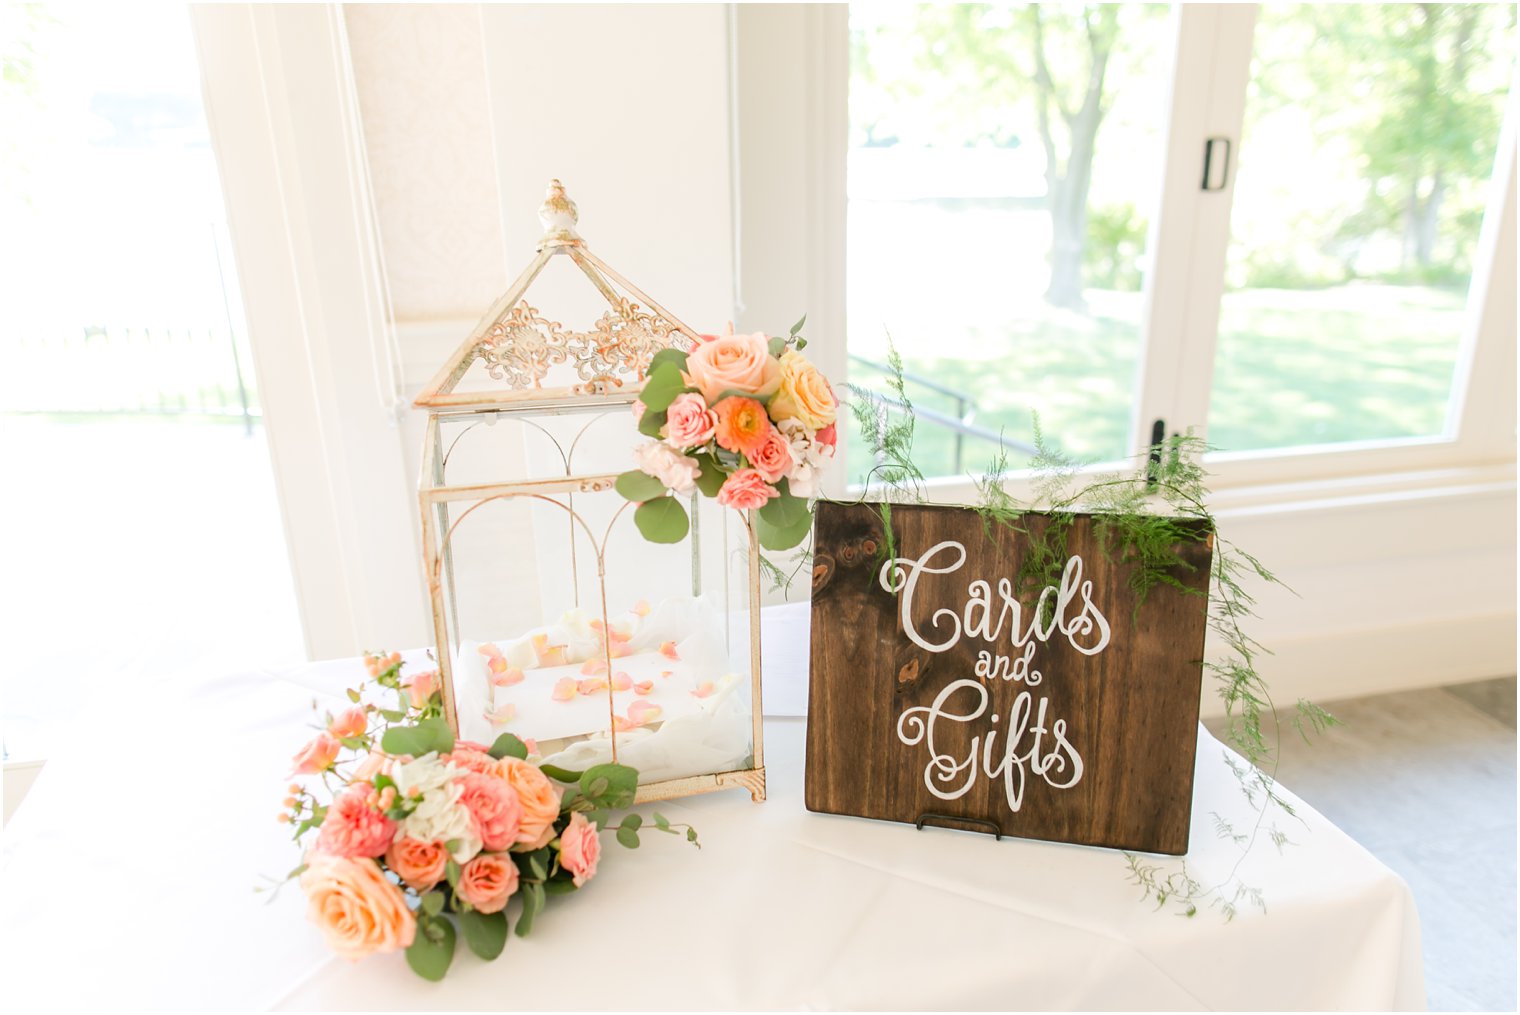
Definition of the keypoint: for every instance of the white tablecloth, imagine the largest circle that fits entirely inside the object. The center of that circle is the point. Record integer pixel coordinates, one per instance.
(128, 877)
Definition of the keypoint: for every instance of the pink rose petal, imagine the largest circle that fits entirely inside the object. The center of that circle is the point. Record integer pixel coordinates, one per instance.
(704, 689)
(593, 667)
(643, 687)
(591, 686)
(564, 689)
(641, 608)
(502, 715)
(641, 712)
(668, 650)
(507, 677)
(621, 681)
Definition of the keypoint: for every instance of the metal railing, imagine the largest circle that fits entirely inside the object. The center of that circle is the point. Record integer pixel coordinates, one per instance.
(134, 371)
(960, 423)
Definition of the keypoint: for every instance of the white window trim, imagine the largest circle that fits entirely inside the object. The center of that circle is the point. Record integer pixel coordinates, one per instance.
(285, 127)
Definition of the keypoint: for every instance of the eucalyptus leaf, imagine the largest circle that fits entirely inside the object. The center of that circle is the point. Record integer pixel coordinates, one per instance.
(675, 357)
(632, 821)
(509, 745)
(406, 740)
(533, 904)
(773, 538)
(617, 785)
(785, 511)
(559, 887)
(639, 486)
(485, 933)
(560, 774)
(651, 422)
(661, 822)
(432, 949)
(712, 477)
(777, 346)
(798, 326)
(353, 695)
(662, 520)
(664, 384)
(432, 903)
(628, 837)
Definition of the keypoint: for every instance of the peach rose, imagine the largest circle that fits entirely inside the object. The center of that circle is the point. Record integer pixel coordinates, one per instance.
(358, 910)
(420, 864)
(352, 722)
(828, 436)
(733, 363)
(772, 457)
(471, 760)
(488, 881)
(742, 424)
(317, 756)
(539, 798)
(420, 687)
(803, 394)
(689, 422)
(352, 827)
(374, 763)
(746, 490)
(579, 849)
(493, 804)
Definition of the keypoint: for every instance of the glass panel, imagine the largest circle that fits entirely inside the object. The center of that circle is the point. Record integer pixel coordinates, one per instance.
(1369, 140)
(998, 217)
(130, 429)
(531, 584)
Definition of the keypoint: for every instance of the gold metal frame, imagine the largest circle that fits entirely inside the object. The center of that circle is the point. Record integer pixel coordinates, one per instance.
(616, 354)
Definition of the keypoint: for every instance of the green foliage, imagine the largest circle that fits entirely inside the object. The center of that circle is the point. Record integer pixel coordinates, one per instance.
(431, 734)
(638, 486)
(1143, 519)
(662, 520)
(886, 431)
(609, 786)
(432, 949)
(508, 745)
(784, 521)
(664, 384)
(485, 933)
(1115, 247)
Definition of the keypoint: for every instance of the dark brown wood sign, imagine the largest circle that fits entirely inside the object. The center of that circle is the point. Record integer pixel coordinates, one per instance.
(939, 693)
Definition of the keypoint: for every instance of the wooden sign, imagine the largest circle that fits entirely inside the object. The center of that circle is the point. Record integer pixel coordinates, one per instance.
(939, 694)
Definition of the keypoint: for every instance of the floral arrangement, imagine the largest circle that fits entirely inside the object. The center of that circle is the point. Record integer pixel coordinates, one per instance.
(746, 419)
(417, 832)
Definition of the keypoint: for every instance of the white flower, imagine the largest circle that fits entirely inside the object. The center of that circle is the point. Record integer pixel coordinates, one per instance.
(419, 775)
(669, 466)
(808, 458)
(439, 816)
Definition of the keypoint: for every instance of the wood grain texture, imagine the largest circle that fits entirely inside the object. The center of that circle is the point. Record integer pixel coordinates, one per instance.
(1130, 710)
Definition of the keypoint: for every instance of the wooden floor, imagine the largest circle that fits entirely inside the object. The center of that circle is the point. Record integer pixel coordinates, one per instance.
(1426, 781)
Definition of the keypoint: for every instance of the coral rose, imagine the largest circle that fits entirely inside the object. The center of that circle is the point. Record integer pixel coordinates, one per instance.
(539, 799)
(772, 457)
(354, 828)
(352, 722)
(740, 363)
(316, 756)
(663, 462)
(689, 422)
(472, 760)
(579, 849)
(418, 863)
(488, 881)
(828, 436)
(804, 394)
(358, 910)
(746, 490)
(493, 804)
(420, 687)
(742, 425)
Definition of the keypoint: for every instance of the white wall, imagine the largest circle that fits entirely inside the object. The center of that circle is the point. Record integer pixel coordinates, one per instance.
(468, 111)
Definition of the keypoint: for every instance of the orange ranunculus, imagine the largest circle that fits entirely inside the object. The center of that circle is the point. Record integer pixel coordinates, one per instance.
(742, 424)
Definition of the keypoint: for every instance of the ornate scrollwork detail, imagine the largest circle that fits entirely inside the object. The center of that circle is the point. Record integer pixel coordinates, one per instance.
(522, 346)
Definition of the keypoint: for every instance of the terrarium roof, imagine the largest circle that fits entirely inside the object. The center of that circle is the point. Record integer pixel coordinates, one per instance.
(517, 345)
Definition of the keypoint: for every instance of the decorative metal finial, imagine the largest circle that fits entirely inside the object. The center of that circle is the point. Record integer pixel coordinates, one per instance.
(558, 215)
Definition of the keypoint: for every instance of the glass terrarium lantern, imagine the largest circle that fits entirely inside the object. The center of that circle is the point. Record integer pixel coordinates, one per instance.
(555, 619)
